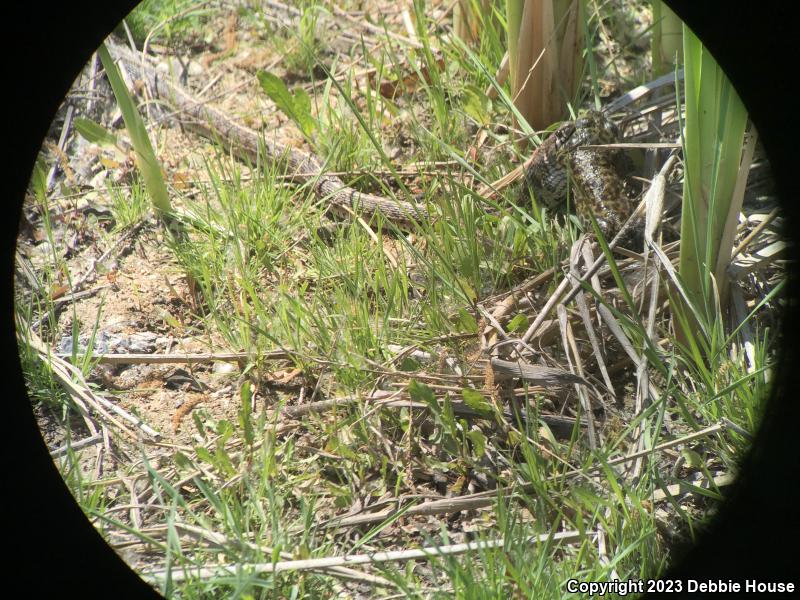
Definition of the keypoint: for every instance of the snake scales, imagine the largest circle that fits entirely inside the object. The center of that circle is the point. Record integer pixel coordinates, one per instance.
(598, 174)
(246, 143)
(600, 186)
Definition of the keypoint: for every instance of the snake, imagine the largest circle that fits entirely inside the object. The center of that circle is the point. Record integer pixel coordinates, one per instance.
(598, 174)
(600, 186)
(250, 146)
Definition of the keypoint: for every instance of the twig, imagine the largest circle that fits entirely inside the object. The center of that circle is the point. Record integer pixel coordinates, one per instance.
(562, 537)
(677, 442)
(641, 91)
(677, 489)
(92, 439)
(487, 498)
(568, 341)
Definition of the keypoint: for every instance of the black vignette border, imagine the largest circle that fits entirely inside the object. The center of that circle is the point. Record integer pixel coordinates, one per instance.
(54, 550)
(754, 45)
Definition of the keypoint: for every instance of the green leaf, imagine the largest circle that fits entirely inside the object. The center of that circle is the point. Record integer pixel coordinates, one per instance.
(224, 430)
(181, 460)
(146, 160)
(297, 107)
(223, 461)
(476, 401)
(478, 441)
(546, 433)
(466, 321)
(518, 323)
(277, 91)
(198, 423)
(477, 105)
(420, 392)
(204, 454)
(692, 458)
(468, 290)
(302, 107)
(39, 179)
(94, 132)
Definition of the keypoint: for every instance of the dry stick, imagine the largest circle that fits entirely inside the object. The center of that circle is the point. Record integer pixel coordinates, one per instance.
(103, 405)
(676, 489)
(62, 142)
(200, 534)
(81, 392)
(570, 350)
(225, 543)
(617, 332)
(519, 291)
(734, 427)
(641, 91)
(561, 537)
(92, 83)
(557, 422)
(568, 341)
(135, 512)
(518, 296)
(293, 412)
(586, 317)
(722, 424)
(92, 439)
(545, 377)
(562, 287)
(80, 295)
(740, 312)
(35, 342)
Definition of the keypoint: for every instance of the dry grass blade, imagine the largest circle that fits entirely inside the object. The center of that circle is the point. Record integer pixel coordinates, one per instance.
(435, 382)
(583, 309)
(572, 353)
(223, 542)
(535, 374)
(484, 499)
(72, 380)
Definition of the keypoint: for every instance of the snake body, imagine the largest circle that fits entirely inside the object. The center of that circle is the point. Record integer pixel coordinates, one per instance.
(599, 175)
(249, 145)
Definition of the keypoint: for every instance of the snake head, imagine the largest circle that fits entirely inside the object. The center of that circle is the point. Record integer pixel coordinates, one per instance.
(593, 128)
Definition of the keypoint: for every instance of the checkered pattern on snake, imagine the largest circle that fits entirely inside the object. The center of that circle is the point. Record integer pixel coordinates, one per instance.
(598, 175)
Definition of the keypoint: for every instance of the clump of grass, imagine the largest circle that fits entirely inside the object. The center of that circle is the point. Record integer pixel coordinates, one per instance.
(301, 46)
(128, 206)
(174, 19)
